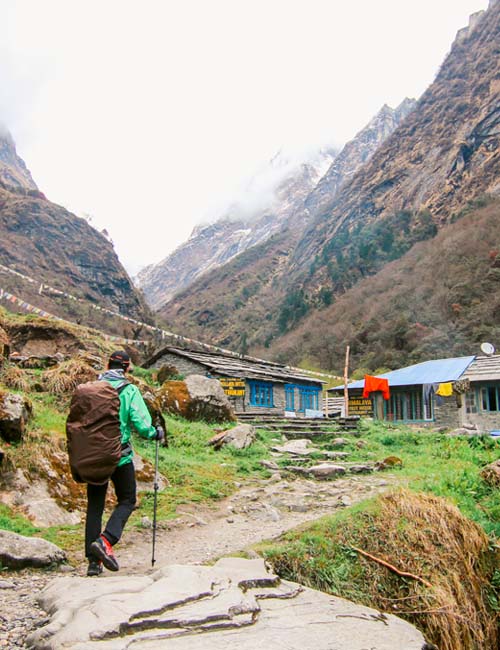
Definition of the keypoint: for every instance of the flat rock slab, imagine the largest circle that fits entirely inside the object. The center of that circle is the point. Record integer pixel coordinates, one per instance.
(234, 603)
(18, 552)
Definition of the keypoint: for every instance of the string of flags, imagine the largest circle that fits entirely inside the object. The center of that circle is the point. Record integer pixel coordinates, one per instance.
(44, 288)
(6, 295)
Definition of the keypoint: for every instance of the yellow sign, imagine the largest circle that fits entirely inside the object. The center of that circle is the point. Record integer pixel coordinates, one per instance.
(360, 406)
(233, 387)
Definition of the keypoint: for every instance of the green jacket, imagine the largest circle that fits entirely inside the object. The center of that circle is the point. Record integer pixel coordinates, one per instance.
(133, 411)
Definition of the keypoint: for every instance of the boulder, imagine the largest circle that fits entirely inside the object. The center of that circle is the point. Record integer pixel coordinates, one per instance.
(339, 442)
(167, 372)
(388, 462)
(335, 455)
(15, 411)
(491, 473)
(196, 398)
(361, 469)
(269, 464)
(234, 603)
(239, 437)
(299, 447)
(325, 471)
(18, 552)
(34, 361)
(466, 430)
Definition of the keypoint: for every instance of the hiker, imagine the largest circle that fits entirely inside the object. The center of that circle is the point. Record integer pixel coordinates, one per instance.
(133, 412)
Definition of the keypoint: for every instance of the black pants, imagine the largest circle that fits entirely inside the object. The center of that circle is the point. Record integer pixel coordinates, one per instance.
(123, 479)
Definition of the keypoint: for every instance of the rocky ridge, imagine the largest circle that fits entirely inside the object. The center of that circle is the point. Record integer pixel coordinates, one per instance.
(356, 153)
(51, 245)
(212, 245)
(13, 170)
(298, 196)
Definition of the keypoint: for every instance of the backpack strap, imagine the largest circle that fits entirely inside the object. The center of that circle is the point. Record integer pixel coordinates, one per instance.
(122, 386)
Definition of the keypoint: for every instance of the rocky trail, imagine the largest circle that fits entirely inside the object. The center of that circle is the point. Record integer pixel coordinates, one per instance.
(258, 510)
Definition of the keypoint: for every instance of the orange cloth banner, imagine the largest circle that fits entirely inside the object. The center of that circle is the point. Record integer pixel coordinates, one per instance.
(373, 384)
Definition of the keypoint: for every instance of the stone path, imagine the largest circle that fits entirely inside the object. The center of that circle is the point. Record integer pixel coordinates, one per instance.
(258, 510)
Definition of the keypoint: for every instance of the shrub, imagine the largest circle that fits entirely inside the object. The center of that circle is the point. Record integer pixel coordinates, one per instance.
(65, 377)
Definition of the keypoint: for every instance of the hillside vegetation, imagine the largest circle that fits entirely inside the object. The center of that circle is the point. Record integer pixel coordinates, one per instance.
(45, 242)
(442, 298)
(436, 298)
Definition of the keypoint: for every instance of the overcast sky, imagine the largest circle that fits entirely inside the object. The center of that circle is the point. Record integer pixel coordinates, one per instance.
(151, 116)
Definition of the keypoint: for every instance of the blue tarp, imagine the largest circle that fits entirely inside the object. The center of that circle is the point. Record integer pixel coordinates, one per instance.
(436, 371)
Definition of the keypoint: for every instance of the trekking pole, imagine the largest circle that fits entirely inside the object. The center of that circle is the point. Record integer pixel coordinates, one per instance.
(155, 502)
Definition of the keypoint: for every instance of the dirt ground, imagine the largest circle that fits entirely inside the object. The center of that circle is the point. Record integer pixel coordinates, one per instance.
(259, 510)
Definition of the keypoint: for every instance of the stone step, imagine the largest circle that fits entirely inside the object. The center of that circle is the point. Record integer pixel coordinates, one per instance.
(295, 425)
(310, 435)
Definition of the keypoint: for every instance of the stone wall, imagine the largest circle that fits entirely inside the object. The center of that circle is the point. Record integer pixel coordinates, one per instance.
(448, 414)
(184, 366)
(485, 420)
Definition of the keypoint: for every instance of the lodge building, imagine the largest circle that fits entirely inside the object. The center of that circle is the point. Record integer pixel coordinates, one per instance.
(442, 392)
(252, 385)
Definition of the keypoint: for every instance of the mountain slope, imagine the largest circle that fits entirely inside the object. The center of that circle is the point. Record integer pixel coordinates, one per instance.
(442, 298)
(444, 155)
(300, 192)
(13, 170)
(229, 312)
(356, 153)
(242, 227)
(49, 244)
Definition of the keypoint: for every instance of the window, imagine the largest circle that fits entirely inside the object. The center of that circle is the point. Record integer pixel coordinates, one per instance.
(490, 398)
(404, 406)
(261, 393)
(289, 397)
(309, 398)
(470, 402)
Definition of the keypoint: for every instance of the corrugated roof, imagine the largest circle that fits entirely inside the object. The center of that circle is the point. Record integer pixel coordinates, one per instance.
(234, 366)
(484, 369)
(435, 371)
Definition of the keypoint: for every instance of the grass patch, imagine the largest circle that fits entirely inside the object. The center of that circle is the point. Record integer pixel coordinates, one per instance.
(15, 523)
(197, 473)
(442, 465)
(65, 377)
(419, 534)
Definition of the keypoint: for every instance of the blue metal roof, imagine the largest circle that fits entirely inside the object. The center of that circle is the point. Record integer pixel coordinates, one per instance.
(427, 372)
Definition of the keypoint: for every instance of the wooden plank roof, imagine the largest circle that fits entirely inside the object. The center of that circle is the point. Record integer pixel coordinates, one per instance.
(483, 369)
(238, 366)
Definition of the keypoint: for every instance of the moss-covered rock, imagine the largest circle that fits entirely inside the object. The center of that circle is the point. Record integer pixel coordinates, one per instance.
(196, 398)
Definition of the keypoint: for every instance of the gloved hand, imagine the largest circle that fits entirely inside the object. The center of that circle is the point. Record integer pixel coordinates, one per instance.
(160, 434)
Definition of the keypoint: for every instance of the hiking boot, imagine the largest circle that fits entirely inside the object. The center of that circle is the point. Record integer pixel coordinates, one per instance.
(103, 550)
(94, 568)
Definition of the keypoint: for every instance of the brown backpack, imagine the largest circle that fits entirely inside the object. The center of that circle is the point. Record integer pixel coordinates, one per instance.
(93, 432)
